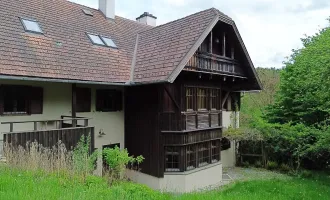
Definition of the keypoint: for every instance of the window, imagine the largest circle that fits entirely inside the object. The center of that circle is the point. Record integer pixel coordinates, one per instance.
(196, 156)
(20, 100)
(201, 99)
(108, 100)
(109, 42)
(87, 12)
(189, 99)
(203, 154)
(83, 99)
(215, 148)
(215, 99)
(31, 25)
(96, 39)
(191, 157)
(101, 40)
(172, 155)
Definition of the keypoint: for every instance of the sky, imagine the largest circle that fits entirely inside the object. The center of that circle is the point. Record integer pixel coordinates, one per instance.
(270, 28)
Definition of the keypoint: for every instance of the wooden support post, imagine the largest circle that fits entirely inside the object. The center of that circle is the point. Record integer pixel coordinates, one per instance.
(224, 45)
(211, 42)
(35, 126)
(85, 122)
(74, 105)
(232, 52)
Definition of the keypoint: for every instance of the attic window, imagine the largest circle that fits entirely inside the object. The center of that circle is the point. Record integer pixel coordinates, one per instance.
(31, 25)
(96, 39)
(101, 40)
(87, 12)
(109, 42)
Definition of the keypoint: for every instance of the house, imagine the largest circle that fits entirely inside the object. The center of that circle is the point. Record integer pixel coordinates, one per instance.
(165, 92)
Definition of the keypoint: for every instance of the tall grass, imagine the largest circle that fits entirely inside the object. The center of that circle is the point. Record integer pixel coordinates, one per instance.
(56, 160)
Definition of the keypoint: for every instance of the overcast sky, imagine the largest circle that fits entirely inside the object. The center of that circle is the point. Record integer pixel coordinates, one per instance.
(270, 28)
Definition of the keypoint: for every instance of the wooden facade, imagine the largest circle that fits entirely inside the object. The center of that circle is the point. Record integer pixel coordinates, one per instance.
(177, 126)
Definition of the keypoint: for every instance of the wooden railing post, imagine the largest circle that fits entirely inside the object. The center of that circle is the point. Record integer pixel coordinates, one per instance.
(85, 122)
(11, 127)
(35, 126)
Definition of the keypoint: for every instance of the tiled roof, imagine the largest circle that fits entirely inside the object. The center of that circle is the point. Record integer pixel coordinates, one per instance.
(145, 54)
(64, 51)
(161, 49)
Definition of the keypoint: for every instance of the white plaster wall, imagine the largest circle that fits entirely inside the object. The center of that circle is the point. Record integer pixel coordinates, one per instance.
(228, 157)
(57, 102)
(181, 182)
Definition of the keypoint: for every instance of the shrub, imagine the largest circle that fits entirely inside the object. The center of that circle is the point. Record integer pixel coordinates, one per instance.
(118, 160)
(306, 174)
(272, 165)
(258, 164)
(285, 168)
(246, 164)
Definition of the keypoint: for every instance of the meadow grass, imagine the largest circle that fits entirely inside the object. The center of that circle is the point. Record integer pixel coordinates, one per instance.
(19, 185)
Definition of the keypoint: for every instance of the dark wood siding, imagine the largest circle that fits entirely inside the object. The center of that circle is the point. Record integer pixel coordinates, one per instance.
(142, 127)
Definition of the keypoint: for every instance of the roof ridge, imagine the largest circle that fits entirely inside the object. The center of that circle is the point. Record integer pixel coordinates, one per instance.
(177, 20)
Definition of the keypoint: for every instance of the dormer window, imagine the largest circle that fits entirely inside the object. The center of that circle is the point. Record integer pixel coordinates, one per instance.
(101, 40)
(31, 25)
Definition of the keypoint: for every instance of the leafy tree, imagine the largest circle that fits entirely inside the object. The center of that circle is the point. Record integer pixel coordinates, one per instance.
(304, 95)
(254, 104)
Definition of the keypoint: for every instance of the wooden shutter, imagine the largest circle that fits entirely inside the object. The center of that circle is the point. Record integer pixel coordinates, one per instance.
(83, 99)
(99, 99)
(118, 100)
(1, 100)
(36, 100)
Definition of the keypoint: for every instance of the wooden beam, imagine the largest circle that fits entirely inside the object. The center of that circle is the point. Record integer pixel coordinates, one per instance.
(172, 98)
(225, 99)
(224, 44)
(232, 52)
(74, 105)
(211, 42)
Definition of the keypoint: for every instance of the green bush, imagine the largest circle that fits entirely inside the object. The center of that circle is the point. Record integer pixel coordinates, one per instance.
(285, 168)
(118, 161)
(246, 164)
(258, 164)
(272, 165)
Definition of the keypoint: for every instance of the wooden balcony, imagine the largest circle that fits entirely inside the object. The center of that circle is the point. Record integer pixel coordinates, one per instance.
(190, 121)
(49, 132)
(206, 62)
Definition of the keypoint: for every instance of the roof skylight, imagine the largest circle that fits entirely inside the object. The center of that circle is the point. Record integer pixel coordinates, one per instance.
(96, 39)
(87, 12)
(31, 25)
(101, 40)
(109, 42)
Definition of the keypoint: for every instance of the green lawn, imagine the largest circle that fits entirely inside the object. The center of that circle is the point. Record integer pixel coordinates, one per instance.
(26, 185)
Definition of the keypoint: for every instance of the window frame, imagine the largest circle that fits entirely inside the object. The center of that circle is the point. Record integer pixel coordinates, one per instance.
(117, 101)
(22, 19)
(202, 158)
(81, 98)
(31, 99)
(106, 44)
(208, 97)
(89, 37)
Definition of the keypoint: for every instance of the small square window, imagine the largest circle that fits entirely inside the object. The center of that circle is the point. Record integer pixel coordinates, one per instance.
(31, 25)
(96, 39)
(87, 12)
(109, 42)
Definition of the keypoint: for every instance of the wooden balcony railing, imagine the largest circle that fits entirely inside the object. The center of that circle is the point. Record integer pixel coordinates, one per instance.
(214, 63)
(48, 132)
(190, 121)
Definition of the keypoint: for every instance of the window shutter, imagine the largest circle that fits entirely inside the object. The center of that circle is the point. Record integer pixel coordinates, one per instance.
(118, 100)
(83, 99)
(36, 100)
(99, 99)
(1, 100)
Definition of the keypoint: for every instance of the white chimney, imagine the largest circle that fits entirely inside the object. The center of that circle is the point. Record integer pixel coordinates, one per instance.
(147, 18)
(108, 8)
